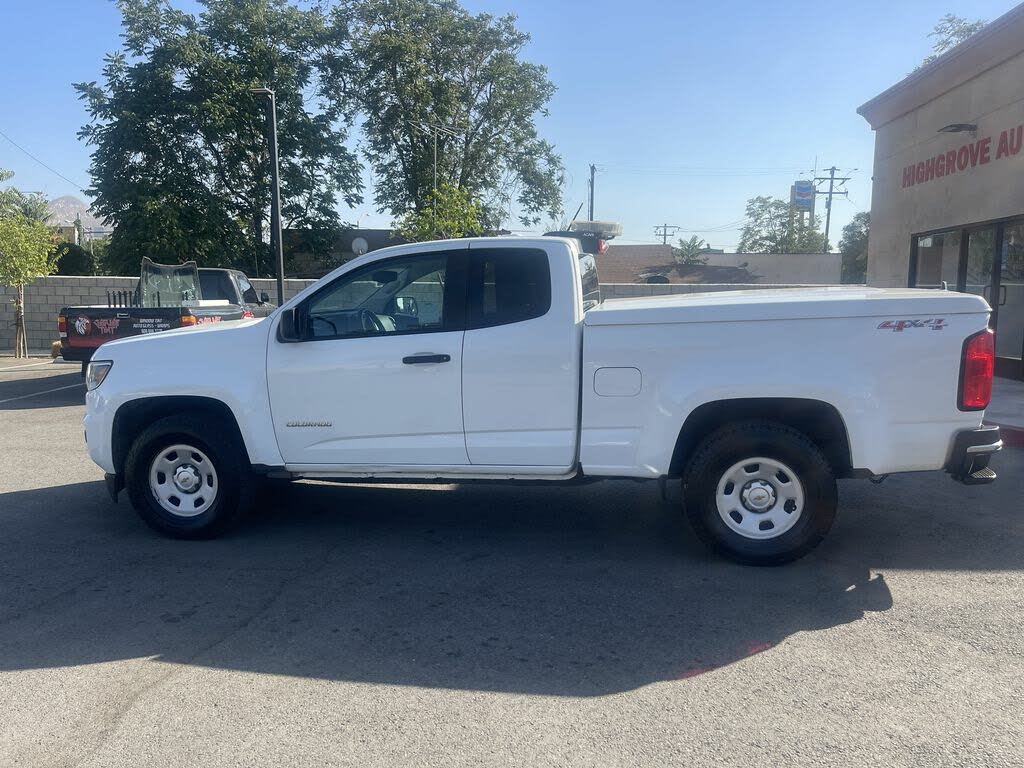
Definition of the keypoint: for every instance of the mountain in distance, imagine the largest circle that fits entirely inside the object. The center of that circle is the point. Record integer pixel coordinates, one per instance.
(64, 210)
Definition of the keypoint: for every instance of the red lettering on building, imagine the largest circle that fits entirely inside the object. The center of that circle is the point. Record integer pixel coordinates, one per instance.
(963, 157)
(966, 156)
(985, 150)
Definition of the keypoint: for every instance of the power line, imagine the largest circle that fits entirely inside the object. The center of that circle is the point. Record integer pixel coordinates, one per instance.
(78, 186)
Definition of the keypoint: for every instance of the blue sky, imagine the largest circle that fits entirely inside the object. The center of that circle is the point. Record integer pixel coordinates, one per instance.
(688, 109)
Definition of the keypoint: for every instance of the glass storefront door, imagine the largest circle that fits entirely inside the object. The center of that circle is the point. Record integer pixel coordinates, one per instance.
(987, 261)
(981, 255)
(1010, 301)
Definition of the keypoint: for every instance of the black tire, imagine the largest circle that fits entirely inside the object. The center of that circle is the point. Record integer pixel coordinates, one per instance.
(216, 440)
(734, 443)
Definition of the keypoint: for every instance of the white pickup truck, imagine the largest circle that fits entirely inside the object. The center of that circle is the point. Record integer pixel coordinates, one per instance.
(495, 359)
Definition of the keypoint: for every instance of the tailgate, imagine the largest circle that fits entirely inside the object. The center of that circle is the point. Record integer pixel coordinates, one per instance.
(89, 327)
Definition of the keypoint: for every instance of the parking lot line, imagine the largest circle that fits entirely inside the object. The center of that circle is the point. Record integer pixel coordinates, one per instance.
(23, 367)
(44, 392)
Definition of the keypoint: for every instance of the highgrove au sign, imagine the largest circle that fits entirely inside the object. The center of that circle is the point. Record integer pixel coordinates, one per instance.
(979, 152)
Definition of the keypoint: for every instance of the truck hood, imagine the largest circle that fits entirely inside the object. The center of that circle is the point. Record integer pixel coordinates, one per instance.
(785, 304)
(225, 326)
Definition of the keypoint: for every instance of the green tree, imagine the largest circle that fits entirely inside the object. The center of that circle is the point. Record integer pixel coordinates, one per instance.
(73, 259)
(180, 165)
(854, 247)
(414, 64)
(32, 205)
(26, 253)
(689, 251)
(447, 213)
(949, 33)
(772, 227)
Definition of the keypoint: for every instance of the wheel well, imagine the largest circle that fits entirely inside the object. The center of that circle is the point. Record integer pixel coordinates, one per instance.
(135, 415)
(818, 420)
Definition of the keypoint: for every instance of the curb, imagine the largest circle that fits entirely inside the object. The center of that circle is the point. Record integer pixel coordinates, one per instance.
(1012, 436)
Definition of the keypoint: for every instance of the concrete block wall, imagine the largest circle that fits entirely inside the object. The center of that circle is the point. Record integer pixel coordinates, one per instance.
(46, 297)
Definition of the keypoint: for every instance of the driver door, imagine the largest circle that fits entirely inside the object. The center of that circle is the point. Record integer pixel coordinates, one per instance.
(376, 378)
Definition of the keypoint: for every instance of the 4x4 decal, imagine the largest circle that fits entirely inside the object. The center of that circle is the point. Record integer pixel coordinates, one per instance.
(935, 323)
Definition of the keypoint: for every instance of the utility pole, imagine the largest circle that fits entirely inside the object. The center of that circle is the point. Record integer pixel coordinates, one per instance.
(276, 246)
(434, 129)
(593, 170)
(831, 179)
(663, 232)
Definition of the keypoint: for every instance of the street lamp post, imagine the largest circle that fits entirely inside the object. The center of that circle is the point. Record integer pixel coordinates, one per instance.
(275, 188)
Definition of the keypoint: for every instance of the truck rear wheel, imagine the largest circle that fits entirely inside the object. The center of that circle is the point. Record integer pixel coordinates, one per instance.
(185, 476)
(760, 493)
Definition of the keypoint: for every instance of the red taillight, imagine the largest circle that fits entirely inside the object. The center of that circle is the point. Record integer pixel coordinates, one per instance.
(602, 246)
(976, 371)
(189, 320)
(62, 324)
(247, 315)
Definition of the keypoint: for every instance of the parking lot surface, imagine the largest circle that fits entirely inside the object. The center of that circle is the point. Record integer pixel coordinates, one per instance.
(494, 625)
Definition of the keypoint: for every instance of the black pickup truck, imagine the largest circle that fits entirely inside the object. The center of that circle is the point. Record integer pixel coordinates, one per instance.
(165, 297)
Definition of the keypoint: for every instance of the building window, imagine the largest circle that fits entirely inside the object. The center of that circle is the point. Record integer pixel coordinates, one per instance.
(938, 257)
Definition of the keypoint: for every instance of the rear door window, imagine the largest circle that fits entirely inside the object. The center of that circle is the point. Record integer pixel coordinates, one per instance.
(507, 285)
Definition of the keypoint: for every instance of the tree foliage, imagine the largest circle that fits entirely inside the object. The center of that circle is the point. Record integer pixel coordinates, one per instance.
(854, 247)
(73, 259)
(949, 33)
(180, 164)
(26, 251)
(413, 64)
(32, 205)
(449, 212)
(689, 251)
(26, 254)
(772, 227)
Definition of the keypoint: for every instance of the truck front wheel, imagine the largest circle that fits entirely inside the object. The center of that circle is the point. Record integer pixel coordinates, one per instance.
(185, 476)
(760, 493)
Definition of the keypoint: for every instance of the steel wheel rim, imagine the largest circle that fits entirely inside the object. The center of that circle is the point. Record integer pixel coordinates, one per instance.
(183, 480)
(760, 498)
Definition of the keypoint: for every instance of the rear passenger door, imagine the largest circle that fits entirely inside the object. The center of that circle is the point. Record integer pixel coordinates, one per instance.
(521, 357)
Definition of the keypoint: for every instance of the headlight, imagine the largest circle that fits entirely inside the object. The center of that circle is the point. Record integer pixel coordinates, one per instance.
(96, 373)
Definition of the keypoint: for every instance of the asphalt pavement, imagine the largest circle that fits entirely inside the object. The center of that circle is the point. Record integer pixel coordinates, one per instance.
(494, 624)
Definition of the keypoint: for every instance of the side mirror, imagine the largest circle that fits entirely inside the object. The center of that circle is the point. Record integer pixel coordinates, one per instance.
(406, 305)
(288, 326)
(264, 297)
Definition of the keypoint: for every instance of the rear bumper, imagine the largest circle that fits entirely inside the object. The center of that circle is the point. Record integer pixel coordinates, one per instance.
(76, 354)
(972, 449)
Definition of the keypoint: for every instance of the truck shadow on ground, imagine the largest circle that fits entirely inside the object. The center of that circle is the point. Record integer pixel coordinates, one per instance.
(562, 591)
(22, 393)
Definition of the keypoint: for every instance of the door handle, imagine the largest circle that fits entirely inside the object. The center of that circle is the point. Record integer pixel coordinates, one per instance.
(421, 359)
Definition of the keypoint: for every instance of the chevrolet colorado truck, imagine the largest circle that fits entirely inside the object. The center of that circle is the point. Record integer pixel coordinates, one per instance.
(495, 359)
(166, 296)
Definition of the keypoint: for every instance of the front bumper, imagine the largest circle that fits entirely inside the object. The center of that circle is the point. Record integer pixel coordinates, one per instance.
(972, 449)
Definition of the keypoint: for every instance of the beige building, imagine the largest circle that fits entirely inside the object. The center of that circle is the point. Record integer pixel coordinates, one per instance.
(947, 202)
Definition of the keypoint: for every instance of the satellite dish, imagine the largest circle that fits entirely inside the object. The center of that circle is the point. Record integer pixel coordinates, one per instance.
(360, 246)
